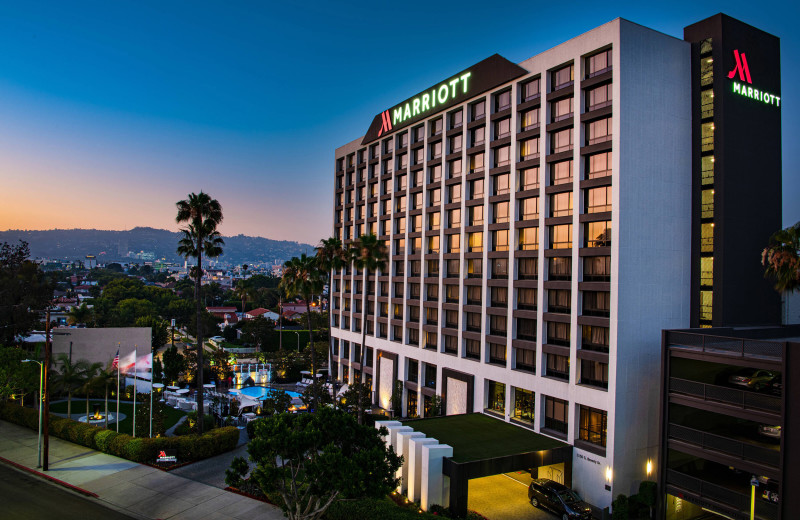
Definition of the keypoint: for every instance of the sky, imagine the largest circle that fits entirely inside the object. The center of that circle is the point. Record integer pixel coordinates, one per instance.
(110, 112)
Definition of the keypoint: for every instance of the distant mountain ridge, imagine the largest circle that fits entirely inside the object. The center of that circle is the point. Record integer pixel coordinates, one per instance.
(113, 246)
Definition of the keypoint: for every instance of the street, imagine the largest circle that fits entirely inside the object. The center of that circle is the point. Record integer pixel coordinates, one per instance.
(30, 498)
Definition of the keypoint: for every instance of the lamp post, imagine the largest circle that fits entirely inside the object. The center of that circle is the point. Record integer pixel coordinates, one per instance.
(41, 378)
(298, 340)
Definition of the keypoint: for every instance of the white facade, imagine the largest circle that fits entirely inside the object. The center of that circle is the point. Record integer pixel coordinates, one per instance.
(650, 257)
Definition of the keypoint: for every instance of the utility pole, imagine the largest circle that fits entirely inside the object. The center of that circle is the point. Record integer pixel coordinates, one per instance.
(48, 349)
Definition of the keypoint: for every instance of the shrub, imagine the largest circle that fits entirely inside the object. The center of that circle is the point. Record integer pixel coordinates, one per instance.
(384, 509)
(89, 436)
(118, 446)
(619, 508)
(103, 439)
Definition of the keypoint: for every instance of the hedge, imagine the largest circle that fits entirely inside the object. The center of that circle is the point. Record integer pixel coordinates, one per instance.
(189, 447)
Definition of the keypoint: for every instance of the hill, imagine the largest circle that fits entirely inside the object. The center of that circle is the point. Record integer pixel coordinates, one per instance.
(114, 246)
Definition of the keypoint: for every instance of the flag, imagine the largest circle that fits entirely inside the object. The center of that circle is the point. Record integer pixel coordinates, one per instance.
(115, 363)
(127, 363)
(144, 366)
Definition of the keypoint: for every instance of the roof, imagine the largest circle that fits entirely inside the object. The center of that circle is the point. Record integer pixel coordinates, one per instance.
(477, 436)
(258, 312)
(221, 309)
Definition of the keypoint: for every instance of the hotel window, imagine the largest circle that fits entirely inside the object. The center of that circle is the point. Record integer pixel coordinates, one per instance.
(500, 184)
(497, 327)
(476, 188)
(524, 403)
(373, 151)
(475, 215)
(529, 208)
(413, 313)
(561, 141)
(475, 242)
(500, 239)
(453, 268)
(559, 300)
(474, 296)
(561, 109)
(451, 293)
(416, 179)
(500, 214)
(599, 131)
(433, 244)
(558, 333)
(472, 349)
(528, 239)
(499, 297)
(383, 288)
(502, 101)
(598, 63)
(525, 360)
(556, 414)
(455, 143)
(400, 203)
(340, 165)
(432, 316)
(497, 351)
(561, 204)
(527, 269)
(477, 136)
(707, 271)
(502, 156)
(502, 128)
(433, 266)
(432, 292)
(597, 303)
(450, 344)
(402, 161)
(453, 218)
(561, 172)
(397, 333)
(413, 336)
(386, 186)
(707, 103)
(401, 182)
(473, 321)
(707, 237)
(562, 77)
(435, 173)
(477, 110)
(529, 179)
(453, 243)
(413, 291)
(451, 319)
(383, 310)
(474, 269)
(456, 119)
(706, 305)
(598, 165)
(528, 149)
(402, 140)
(387, 146)
(594, 373)
(529, 119)
(594, 337)
(557, 366)
(559, 268)
(593, 426)
(399, 267)
(383, 330)
(399, 246)
(433, 221)
(415, 268)
(526, 299)
(707, 170)
(434, 197)
(418, 133)
(435, 150)
(707, 137)
(373, 189)
(476, 163)
(497, 397)
(416, 223)
(598, 200)
(598, 97)
(415, 245)
(454, 168)
(526, 329)
(598, 234)
(436, 126)
(416, 200)
(419, 156)
(400, 225)
(530, 90)
(412, 373)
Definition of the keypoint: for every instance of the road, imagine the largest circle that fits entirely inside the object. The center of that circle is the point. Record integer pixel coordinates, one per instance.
(504, 497)
(30, 498)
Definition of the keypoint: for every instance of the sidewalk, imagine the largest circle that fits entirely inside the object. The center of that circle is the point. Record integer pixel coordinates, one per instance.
(135, 489)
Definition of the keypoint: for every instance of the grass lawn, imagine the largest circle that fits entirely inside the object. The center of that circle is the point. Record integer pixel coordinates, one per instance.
(126, 425)
(477, 436)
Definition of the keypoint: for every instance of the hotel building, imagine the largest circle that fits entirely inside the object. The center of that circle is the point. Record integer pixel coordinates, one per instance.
(539, 221)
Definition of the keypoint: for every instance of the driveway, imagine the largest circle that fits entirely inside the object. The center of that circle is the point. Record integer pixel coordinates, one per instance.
(504, 497)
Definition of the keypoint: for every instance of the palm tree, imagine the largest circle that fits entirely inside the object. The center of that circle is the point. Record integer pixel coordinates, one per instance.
(368, 254)
(782, 259)
(331, 255)
(77, 315)
(106, 377)
(244, 292)
(202, 215)
(90, 382)
(70, 377)
(302, 277)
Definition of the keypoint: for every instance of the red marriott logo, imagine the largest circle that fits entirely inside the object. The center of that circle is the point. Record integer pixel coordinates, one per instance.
(741, 68)
(386, 125)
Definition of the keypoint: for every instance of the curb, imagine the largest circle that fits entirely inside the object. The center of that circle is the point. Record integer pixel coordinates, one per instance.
(48, 477)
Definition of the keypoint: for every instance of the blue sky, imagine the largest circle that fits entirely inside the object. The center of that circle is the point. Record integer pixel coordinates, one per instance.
(112, 111)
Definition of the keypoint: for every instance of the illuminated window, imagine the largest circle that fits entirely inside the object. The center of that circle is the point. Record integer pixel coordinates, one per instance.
(707, 271)
(496, 397)
(707, 137)
(528, 149)
(707, 169)
(598, 200)
(706, 71)
(500, 240)
(528, 239)
(500, 213)
(453, 218)
(524, 400)
(476, 163)
(529, 178)
(453, 243)
(706, 304)
(561, 204)
(529, 119)
(593, 425)
(707, 237)
(502, 156)
(433, 221)
(433, 244)
(475, 215)
(707, 103)
(475, 242)
(561, 236)
(707, 204)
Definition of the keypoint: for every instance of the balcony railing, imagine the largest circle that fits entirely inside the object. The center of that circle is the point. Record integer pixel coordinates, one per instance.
(727, 445)
(722, 394)
(754, 348)
(737, 504)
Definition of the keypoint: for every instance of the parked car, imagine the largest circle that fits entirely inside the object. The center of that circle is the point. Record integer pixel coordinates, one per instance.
(770, 431)
(776, 386)
(752, 378)
(559, 499)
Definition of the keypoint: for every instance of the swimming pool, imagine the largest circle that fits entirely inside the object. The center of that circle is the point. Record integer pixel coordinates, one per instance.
(261, 392)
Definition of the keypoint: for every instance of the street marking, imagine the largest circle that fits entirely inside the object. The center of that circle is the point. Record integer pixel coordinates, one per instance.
(515, 480)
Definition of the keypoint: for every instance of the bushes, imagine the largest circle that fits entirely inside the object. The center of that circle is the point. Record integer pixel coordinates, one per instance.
(384, 509)
(141, 449)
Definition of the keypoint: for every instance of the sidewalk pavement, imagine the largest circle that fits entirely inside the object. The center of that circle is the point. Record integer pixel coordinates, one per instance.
(135, 489)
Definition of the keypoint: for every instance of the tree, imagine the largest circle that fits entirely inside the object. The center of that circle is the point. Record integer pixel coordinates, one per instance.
(258, 332)
(331, 256)
(174, 364)
(316, 395)
(368, 254)
(243, 292)
(16, 376)
(202, 215)
(277, 402)
(301, 277)
(159, 330)
(71, 376)
(24, 290)
(79, 315)
(782, 259)
(312, 460)
(90, 383)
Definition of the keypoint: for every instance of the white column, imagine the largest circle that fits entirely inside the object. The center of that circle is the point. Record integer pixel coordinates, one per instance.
(435, 487)
(403, 449)
(415, 468)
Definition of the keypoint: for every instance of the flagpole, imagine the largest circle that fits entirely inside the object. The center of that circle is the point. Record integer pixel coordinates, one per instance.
(117, 389)
(135, 359)
(152, 380)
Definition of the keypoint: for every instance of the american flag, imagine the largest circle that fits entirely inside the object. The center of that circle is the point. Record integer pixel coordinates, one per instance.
(115, 363)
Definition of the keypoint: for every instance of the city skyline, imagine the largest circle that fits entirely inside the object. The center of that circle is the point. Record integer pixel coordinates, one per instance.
(112, 114)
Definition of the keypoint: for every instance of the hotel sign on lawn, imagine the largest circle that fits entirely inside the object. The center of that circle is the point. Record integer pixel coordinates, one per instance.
(478, 79)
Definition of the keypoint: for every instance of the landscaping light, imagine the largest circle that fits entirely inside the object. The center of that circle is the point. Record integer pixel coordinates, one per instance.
(649, 467)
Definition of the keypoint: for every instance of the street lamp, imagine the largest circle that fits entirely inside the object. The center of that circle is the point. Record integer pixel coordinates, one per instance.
(41, 377)
(298, 340)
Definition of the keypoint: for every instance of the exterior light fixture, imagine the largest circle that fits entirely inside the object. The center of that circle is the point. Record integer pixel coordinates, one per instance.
(649, 467)
(608, 474)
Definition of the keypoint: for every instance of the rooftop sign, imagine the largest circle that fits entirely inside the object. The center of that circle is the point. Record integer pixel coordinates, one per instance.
(743, 71)
(478, 79)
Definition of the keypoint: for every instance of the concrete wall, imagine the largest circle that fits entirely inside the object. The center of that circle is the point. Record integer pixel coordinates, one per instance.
(100, 345)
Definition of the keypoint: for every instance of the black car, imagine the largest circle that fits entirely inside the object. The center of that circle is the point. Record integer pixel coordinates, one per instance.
(559, 499)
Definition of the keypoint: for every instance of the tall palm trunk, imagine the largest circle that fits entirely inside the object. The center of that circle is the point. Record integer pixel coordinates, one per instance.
(87, 407)
(107, 406)
(333, 377)
(69, 404)
(199, 338)
(311, 344)
(361, 377)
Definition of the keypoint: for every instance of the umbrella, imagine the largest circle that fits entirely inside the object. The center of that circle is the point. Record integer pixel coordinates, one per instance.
(173, 387)
(234, 392)
(183, 391)
(209, 385)
(305, 372)
(158, 385)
